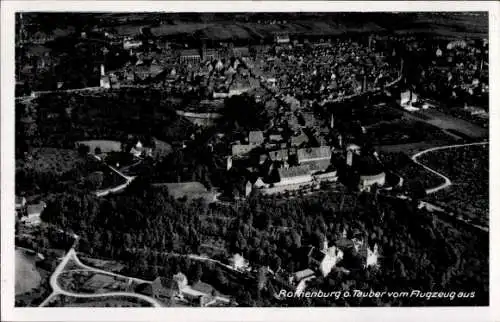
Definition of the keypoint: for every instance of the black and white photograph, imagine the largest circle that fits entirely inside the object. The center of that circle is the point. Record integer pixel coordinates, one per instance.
(248, 159)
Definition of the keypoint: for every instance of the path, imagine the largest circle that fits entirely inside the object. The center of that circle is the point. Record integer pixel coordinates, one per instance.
(447, 181)
(57, 290)
(105, 192)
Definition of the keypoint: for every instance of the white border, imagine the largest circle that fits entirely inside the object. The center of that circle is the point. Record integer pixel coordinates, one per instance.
(9, 313)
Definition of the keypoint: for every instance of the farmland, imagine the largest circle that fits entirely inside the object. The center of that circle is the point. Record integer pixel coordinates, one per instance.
(307, 24)
(105, 145)
(27, 275)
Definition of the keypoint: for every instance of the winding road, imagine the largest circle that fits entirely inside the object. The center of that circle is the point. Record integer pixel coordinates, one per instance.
(57, 290)
(446, 184)
(447, 181)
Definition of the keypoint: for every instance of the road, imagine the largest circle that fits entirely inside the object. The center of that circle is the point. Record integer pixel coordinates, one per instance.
(57, 290)
(446, 184)
(105, 192)
(447, 181)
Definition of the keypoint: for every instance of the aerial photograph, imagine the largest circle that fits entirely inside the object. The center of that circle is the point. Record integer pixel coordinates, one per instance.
(251, 159)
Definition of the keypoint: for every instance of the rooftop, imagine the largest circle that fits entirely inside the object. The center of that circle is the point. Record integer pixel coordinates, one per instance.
(306, 154)
(293, 172)
(256, 137)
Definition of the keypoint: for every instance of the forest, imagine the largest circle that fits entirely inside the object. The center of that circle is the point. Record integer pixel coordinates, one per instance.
(144, 225)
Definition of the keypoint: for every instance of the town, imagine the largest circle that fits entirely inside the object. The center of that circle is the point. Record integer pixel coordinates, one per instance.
(179, 160)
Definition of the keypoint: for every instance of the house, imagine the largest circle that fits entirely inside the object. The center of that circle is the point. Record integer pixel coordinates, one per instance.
(139, 150)
(20, 202)
(190, 56)
(279, 155)
(181, 280)
(276, 138)
(318, 165)
(300, 275)
(256, 137)
(239, 263)
(33, 213)
(314, 154)
(161, 288)
(294, 175)
(324, 260)
(298, 140)
(241, 52)
(248, 189)
(132, 44)
(241, 149)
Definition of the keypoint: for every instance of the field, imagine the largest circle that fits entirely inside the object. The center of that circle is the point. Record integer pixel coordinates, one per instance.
(191, 190)
(468, 169)
(27, 275)
(105, 145)
(448, 122)
(220, 26)
(83, 281)
(403, 131)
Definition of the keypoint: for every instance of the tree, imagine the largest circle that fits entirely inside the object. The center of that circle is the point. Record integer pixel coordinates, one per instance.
(83, 150)
(198, 273)
(94, 180)
(97, 150)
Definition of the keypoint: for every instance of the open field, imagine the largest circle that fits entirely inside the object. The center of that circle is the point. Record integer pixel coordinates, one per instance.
(105, 145)
(468, 169)
(218, 26)
(403, 131)
(448, 122)
(27, 275)
(84, 281)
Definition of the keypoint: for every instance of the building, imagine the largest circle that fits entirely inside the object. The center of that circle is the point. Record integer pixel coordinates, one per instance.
(33, 213)
(181, 280)
(281, 38)
(241, 52)
(190, 56)
(325, 260)
(211, 54)
(139, 150)
(294, 175)
(239, 263)
(279, 155)
(367, 181)
(238, 150)
(161, 288)
(255, 138)
(300, 275)
(248, 189)
(305, 155)
(131, 44)
(20, 203)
